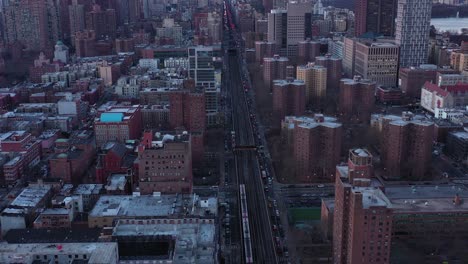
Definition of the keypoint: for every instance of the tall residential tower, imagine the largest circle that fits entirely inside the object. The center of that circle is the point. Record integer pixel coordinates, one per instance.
(412, 31)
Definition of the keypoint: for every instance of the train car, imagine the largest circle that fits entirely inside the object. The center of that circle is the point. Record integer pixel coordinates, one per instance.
(248, 257)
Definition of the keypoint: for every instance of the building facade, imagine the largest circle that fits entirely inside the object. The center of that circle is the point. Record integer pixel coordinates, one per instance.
(375, 16)
(165, 163)
(288, 98)
(356, 100)
(274, 69)
(412, 31)
(315, 79)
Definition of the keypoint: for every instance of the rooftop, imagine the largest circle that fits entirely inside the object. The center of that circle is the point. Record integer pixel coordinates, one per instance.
(310, 122)
(53, 235)
(155, 206)
(372, 197)
(460, 134)
(111, 117)
(116, 182)
(102, 253)
(197, 238)
(282, 83)
(427, 198)
(88, 189)
(31, 196)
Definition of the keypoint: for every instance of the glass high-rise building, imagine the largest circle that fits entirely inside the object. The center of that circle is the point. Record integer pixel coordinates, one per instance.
(412, 31)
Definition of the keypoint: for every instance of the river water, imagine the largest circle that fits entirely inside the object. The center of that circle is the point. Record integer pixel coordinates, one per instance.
(450, 24)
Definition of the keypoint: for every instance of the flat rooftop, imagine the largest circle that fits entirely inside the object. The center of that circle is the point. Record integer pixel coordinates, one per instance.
(88, 189)
(52, 235)
(102, 253)
(166, 206)
(310, 122)
(427, 198)
(31, 196)
(194, 243)
(426, 191)
(116, 182)
(372, 197)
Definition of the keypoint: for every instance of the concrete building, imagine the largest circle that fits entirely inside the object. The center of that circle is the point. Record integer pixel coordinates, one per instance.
(127, 86)
(165, 163)
(373, 60)
(412, 31)
(171, 30)
(334, 71)
(162, 209)
(356, 100)
(201, 69)
(349, 56)
(118, 123)
(55, 218)
(336, 47)
(375, 16)
(274, 69)
(286, 27)
(307, 50)
(299, 25)
(444, 79)
(88, 194)
(288, 98)
(412, 79)
(277, 30)
(316, 146)
(459, 60)
(72, 105)
(406, 146)
(25, 207)
(362, 225)
(61, 53)
(264, 49)
(91, 253)
(151, 64)
(315, 79)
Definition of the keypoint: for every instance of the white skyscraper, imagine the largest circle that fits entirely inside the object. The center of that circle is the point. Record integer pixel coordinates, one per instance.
(412, 31)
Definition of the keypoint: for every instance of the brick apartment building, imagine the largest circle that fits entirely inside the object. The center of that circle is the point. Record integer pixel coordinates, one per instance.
(165, 163)
(371, 220)
(288, 98)
(316, 146)
(274, 69)
(187, 109)
(118, 123)
(406, 146)
(307, 50)
(356, 100)
(264, 49)
(334, 71)
(362, 214)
